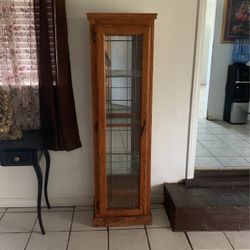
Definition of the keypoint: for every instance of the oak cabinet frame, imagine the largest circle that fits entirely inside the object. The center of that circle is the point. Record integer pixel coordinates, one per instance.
(103, 26)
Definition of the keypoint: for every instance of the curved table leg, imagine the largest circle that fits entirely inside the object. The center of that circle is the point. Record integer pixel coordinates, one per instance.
(47, 157)
(40, 187)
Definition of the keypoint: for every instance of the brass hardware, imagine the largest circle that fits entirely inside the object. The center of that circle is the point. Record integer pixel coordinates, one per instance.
(96, 127)
(17, 158)
(143, 127)
(94, 36)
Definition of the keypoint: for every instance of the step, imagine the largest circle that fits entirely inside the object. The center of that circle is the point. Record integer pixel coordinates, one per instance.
(207, 208)
(220, 178)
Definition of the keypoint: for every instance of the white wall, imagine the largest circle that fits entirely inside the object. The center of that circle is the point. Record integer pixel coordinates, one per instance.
(221, 59)
(71, 180)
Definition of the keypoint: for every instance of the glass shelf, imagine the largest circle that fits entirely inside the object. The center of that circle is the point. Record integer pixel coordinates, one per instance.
(121, 40)
(122, 73)
(124, 39)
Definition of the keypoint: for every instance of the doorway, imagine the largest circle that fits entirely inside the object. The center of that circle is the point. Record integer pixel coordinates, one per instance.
(213, 143)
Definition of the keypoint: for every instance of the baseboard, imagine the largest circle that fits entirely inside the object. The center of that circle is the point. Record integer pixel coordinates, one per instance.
(157, 198)
(65, 201)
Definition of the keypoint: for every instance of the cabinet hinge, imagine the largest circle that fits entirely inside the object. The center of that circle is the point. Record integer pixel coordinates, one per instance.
(94, 36)
(96, 127)
(97, 205)
(143, 127)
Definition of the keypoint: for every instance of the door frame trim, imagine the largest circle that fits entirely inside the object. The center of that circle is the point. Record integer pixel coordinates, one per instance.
(195, 89)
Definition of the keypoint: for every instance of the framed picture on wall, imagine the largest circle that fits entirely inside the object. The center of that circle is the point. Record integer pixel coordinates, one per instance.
(236, 20)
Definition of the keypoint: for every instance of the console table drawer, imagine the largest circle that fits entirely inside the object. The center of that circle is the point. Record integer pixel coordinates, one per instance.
(16, 158)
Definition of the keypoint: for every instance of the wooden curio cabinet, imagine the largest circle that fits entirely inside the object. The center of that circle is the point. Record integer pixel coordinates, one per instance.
(122, 70)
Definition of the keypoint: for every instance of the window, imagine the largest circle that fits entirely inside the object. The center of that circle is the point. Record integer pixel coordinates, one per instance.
(18, 60)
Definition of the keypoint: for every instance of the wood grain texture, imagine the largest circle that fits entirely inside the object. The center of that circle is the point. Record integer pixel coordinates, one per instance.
(118, 18)
(207, 209)
(220, 178)
(107, 24)
(122, 221)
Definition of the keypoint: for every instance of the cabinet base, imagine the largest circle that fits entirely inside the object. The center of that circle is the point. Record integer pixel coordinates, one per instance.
(122, 221)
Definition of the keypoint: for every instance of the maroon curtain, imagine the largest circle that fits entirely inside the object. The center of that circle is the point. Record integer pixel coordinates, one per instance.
(57, 106)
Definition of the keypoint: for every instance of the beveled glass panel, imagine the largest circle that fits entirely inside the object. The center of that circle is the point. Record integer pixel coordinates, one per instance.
(123, 56)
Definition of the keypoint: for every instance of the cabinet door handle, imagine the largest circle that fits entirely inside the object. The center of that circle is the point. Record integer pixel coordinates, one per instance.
(143, 127)
(16, 158)
(94, 36)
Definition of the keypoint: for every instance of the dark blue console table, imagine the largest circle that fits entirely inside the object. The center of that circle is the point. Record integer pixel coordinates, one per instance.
(28, 152)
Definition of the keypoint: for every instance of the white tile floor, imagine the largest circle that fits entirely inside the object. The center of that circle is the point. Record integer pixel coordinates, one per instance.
(221, 145)
(70, 228)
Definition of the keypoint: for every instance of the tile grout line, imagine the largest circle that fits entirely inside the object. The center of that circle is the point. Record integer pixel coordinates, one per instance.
(208, 149)
(158, 227)
(215, 157)
(70, 229)
(25, 232)
(79, 231)
(220, 140)
(65, 231)
(3, 214)
(88, 230)
(231, 147)
(32, 231)
(245, 157)
(189, 241)
(127, 229)
(228, 240)
(223, 156)
(43, 211)
(225, 166)
(146, 232)
(138, 228)
(241, 167)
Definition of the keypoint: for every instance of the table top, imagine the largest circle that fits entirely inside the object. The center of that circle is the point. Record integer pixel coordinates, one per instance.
(32, 139)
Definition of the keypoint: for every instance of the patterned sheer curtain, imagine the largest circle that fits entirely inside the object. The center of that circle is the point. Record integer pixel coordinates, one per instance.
(18, 60)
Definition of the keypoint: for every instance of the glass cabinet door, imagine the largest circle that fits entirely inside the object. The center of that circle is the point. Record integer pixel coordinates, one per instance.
(123, 66)
(122, 73)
